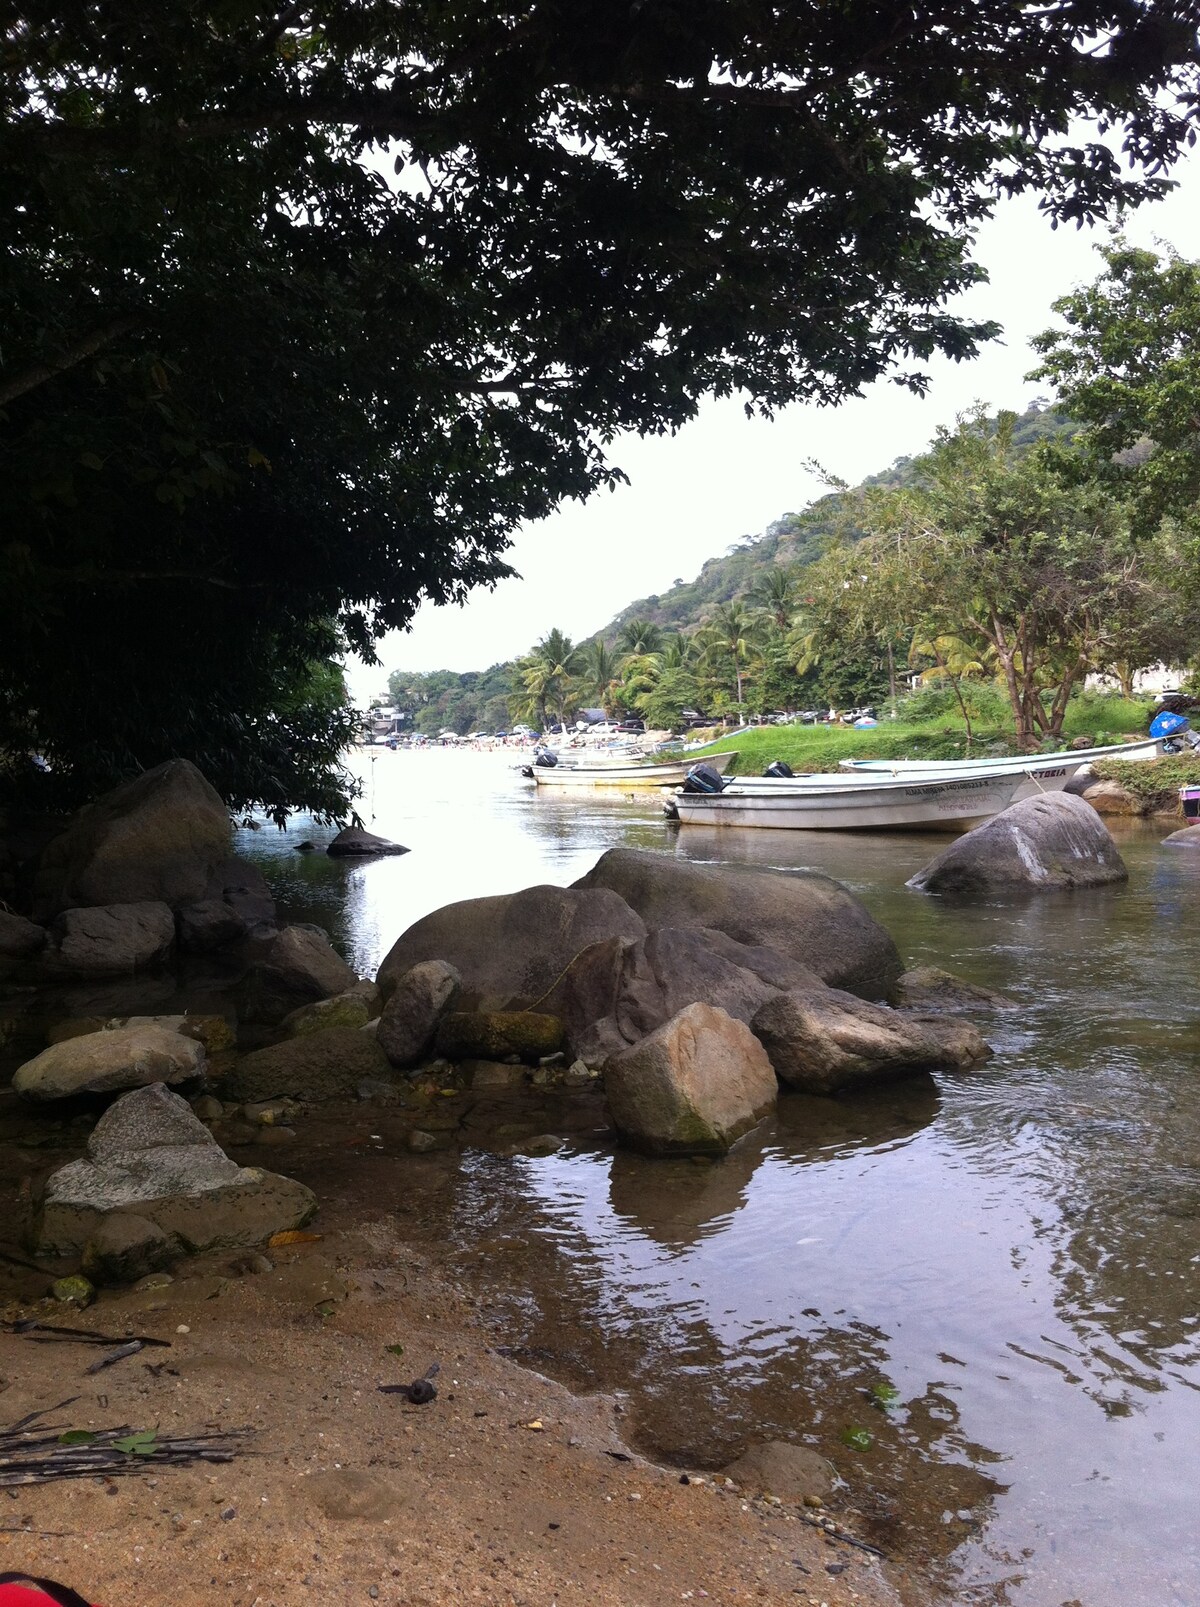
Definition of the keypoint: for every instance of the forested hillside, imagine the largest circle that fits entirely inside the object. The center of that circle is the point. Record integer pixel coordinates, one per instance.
(612, 668)
(796, 538)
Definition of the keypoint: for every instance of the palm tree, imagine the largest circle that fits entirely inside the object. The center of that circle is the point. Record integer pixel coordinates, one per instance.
(775, 594)
(547, 676)
(640, 637)
(599, 671)
(728, 634)
(678, 651)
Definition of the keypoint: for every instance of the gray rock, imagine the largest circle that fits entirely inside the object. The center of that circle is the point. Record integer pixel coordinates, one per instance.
(127, 1247)
(790, 1472)
(20, 941)
(826, 1041)
(353, 840)
(296, 967)
(1189, 837)
(157, 839)
(927, 987)
(512, 948)
(208, 925)
(109, 940)
(319, 1066)
(103, 1062)
(417, 1002)
(617, 991)
(492, 1075)
(149, 1157)
(692, 1087)
(1106, 797)
(806, 917)
(1052, 841)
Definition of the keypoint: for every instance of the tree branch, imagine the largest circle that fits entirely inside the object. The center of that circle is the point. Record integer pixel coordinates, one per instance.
(31, 378)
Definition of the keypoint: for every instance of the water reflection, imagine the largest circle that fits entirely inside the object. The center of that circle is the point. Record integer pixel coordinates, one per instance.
(1013, 1250)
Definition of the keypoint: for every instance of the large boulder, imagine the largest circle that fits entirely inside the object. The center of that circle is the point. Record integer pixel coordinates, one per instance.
(1188, 837)
(150, 1158)
(325, 1065)
(808, 918)
(103, 1062)
(236, 903)
(109, 940)
(295, 967)
(824, 1041)
(354, 842)
(20, 942)
(156, 838)
(692, 1087)
(1052, 841)
(618, 991)
(417, 1003)
(510, 949)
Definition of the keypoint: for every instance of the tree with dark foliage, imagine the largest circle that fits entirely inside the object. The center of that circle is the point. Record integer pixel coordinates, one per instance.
(306, 308)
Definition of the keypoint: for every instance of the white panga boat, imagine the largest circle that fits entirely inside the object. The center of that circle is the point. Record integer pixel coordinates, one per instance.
(1036, 772)
(625, 777)
(859, 803)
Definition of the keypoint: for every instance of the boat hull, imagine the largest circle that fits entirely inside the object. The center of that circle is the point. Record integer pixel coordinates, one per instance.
(913, 805)
(624, 777)
(1037, 772)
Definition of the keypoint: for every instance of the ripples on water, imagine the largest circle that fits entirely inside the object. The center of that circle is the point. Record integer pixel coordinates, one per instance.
(1013, 1251)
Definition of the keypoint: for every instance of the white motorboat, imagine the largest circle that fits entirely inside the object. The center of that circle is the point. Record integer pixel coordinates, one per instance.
(1036, 772)
(859, 803)
(623, 777)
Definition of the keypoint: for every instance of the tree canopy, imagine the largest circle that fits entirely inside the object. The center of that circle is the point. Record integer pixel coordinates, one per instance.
(306, 308)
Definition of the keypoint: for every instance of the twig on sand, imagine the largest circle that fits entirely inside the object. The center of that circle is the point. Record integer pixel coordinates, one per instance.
(36, 1452)
(44, 1333)
(833, 1533)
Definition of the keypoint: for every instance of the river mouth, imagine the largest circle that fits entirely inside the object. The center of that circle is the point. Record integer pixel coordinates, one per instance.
(975, 1293)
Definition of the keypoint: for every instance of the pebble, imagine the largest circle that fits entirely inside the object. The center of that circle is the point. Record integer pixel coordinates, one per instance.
(229, 1513)
(183, 1328)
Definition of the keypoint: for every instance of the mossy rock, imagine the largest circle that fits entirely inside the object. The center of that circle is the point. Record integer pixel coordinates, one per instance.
(495, 1034)
(348, 1009)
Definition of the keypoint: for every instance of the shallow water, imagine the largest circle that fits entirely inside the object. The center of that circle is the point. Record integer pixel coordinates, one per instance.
(1014, 1252)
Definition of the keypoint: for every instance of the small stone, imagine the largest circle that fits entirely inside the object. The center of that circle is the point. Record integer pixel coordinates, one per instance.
(373, 1592)
(229, 1513)
(540, 1145)
(153, 1280)
(420, 1142)
(274, 1136)
(74, 1291)
(183, 1328)
(208, 1108)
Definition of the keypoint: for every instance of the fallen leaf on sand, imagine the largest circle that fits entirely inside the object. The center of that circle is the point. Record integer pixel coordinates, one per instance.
(536, 1426)
(292, 1236)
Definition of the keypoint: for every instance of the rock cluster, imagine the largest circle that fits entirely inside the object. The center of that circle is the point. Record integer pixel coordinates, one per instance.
(693, 990)
(155, 1185)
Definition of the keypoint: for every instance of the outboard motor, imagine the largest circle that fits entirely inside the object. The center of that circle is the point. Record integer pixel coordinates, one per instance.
(545, 758)
(779, 768)
(703, 778)
(1173, 730)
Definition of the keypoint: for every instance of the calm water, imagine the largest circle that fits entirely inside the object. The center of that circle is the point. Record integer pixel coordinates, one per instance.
(1014, 1252)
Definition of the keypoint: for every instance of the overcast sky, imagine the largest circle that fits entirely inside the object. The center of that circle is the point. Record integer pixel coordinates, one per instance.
(723, 476)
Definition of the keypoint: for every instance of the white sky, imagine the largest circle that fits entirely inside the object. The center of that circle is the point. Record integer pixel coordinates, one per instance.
(723, 476)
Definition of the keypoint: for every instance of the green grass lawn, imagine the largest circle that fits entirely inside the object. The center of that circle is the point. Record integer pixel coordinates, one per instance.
(1102, 718)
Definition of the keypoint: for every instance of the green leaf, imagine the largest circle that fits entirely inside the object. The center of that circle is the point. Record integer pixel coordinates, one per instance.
(77, 1436)
(394, 1350)
(858, 1439)
(884, 1395)
(139, 1444)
